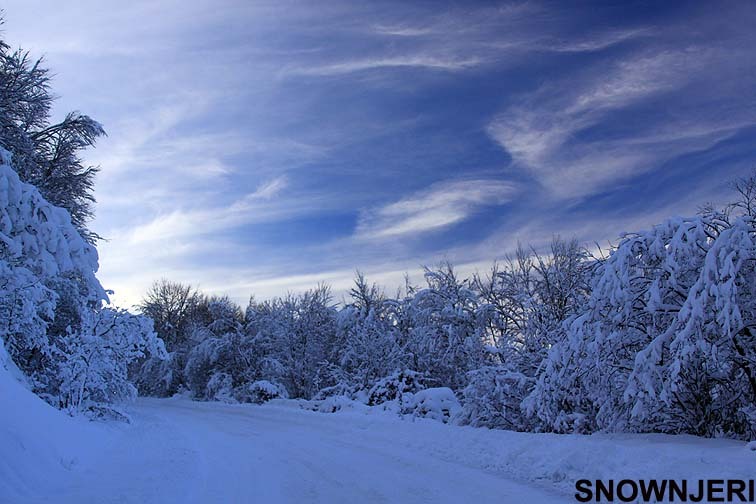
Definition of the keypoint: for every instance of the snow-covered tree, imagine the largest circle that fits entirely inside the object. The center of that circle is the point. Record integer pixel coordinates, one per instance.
(637, 293)
(26, 309)
(367, 348)
(445, 340)
(46, 155)
(309, 331)
(221, 357)
(181, 316)
(699, 376)
(526, 298)
(75, 352)
(524, 302)
(40, 254)
(173, 307)
(93, 373)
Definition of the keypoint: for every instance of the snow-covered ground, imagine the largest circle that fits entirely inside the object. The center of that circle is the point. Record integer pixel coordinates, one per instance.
(176, 450)
(181, 451)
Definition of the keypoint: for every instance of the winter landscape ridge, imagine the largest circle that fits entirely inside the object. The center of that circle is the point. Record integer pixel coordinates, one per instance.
(377, 252)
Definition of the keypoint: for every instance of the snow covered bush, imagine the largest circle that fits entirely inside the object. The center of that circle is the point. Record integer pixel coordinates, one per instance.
(445, 337)
(155, 376)
(636, 296)
(394, 386)
(185, 318)
(39, 236)
(221, 352)
(93, 374)
(336, 403)
(26, 309)
(493, 399)
(42, 260)
(523, 305)
(368, 347)
(435, 403)
(526, 298)
(47, 269)
(263, 391)
(295, 341)
(220, 388)
(227, 362)
(342, 388)
(202, 363)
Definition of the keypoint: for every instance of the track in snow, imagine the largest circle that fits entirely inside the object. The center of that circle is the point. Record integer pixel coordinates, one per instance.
(178, 451)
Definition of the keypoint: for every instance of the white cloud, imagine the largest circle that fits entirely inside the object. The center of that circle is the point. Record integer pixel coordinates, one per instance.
(256, 206)
(439, 206)
(265, 191)
(403, 30)
(598, 41)
(539, 132)
(421, 61)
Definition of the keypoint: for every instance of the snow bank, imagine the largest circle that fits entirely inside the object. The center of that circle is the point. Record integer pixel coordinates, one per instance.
(552, 461)
(40, 445)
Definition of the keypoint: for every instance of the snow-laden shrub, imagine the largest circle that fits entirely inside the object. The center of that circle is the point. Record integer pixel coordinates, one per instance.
(220, 388)
(707, 385)
(26, 309)
(93, 375)
(39, 236)
(636, 296)
(201, 363)
(493, 399)
(395, 385)
(263, 391)
(333, 404)
(435, 403)
(340, 389)
(445, 340)
(156, 376)
(367, 336)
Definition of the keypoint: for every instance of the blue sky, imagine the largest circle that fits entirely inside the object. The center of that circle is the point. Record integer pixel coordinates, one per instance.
(256, 148)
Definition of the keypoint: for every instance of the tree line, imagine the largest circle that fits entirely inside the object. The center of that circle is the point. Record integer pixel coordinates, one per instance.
(656, 335)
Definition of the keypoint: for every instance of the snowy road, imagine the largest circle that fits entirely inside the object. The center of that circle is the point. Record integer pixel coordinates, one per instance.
(186, 452)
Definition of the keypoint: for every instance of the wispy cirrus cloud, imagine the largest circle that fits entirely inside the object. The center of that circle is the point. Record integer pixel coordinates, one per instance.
(439, 206)
(252, 207)
(598, 41)
(556, 137)
(419, 61)
(257, 147)
(403, 30)
(465, 39)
